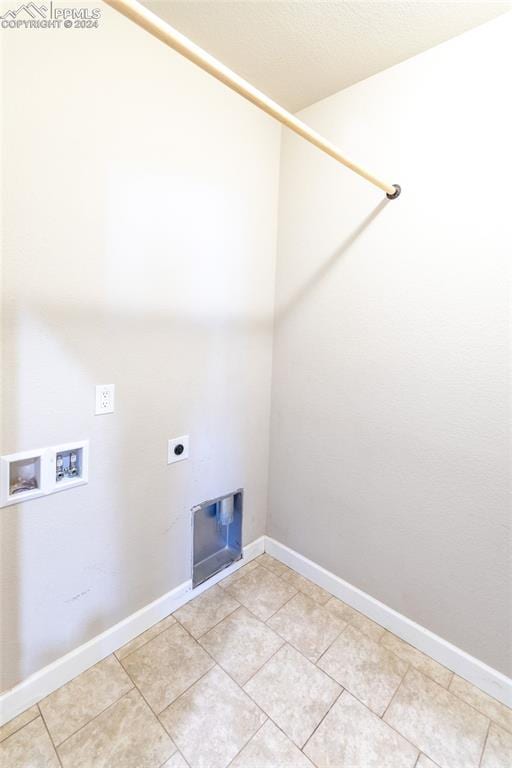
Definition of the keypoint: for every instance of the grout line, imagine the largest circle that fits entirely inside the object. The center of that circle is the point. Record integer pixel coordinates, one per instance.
(387, 631)
(405, 738)
(331, 644)
(264, 621)
(176, 752)
(50, 737)
(242, 687)
(282, 606)
(484, 744)
(239, 605)
(326, 673)
(146, 641)
(338, 697)
(158, 714)
(480, 711)
(395, 693)
(378, 642)
(24, 724)
(259, 670)
(329, 647)
(98, 713)
(134, 687)
(216, 664)
(250, 739)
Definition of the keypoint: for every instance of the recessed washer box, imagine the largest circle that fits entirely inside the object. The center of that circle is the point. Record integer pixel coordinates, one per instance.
(32, 474)
(22, 477)
(68, 465)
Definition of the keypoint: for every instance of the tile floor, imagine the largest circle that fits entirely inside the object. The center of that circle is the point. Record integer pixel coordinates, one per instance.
(264, 670)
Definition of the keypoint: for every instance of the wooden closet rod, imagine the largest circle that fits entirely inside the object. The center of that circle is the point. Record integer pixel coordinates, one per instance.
(159, 28)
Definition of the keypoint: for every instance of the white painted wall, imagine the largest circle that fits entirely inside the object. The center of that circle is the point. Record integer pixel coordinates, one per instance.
(139, 208)
(390, 457)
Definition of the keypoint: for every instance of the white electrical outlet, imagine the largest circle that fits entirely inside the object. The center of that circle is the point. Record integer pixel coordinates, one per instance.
(104, 398)
(177, 449)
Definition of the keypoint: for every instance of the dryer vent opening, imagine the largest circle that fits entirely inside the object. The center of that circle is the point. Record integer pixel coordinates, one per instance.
(217, 535)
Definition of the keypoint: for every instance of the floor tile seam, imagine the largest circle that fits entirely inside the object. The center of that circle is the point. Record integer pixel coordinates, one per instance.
(145, 641)
(237, 685)
(380, 642)
(408, 739)
(405, 738)
(490, 720)
(393, 728)
(157, 714)
(310, 662)
(479, 711)
(340, 694)
(286, 640)
(177, 752)
(58, 744)
(213, 625)
(399, 733)
(187, 689)
(349, 622)
(278, 609)
(259, 670)
(16, 730)
(45, 726)
(329, 648)
(399, 658)
(218, 664)
(241, 685)
(484, 744)
(250, 739)
(268, 569)
(448, 690)
(408, 667)
(98, 714)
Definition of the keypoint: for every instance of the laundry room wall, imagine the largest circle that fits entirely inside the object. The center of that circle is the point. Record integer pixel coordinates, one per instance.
(139, 238)
(390, 459)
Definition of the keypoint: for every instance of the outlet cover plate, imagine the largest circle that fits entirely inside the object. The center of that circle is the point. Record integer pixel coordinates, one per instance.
(105, 398)
(174, 453)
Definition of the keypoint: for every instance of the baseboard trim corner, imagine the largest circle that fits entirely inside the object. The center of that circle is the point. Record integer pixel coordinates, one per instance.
(496, 684)
(62, 670)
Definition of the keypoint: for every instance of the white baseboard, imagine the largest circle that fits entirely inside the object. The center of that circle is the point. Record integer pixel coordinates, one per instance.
(488, 679)
(64, 669)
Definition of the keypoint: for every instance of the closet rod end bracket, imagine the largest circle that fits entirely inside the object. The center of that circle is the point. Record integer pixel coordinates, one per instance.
(396, 193)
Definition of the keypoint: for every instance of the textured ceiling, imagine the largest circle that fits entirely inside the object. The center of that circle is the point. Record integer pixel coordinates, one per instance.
(300, 52)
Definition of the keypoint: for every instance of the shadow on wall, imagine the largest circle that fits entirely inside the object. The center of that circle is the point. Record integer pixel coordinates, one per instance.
(322, 272)
(142, 349)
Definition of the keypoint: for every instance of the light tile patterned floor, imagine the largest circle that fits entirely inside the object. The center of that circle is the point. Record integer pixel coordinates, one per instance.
(264, 670)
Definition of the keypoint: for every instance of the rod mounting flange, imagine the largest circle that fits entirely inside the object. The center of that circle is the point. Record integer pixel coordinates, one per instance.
(396, 193)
